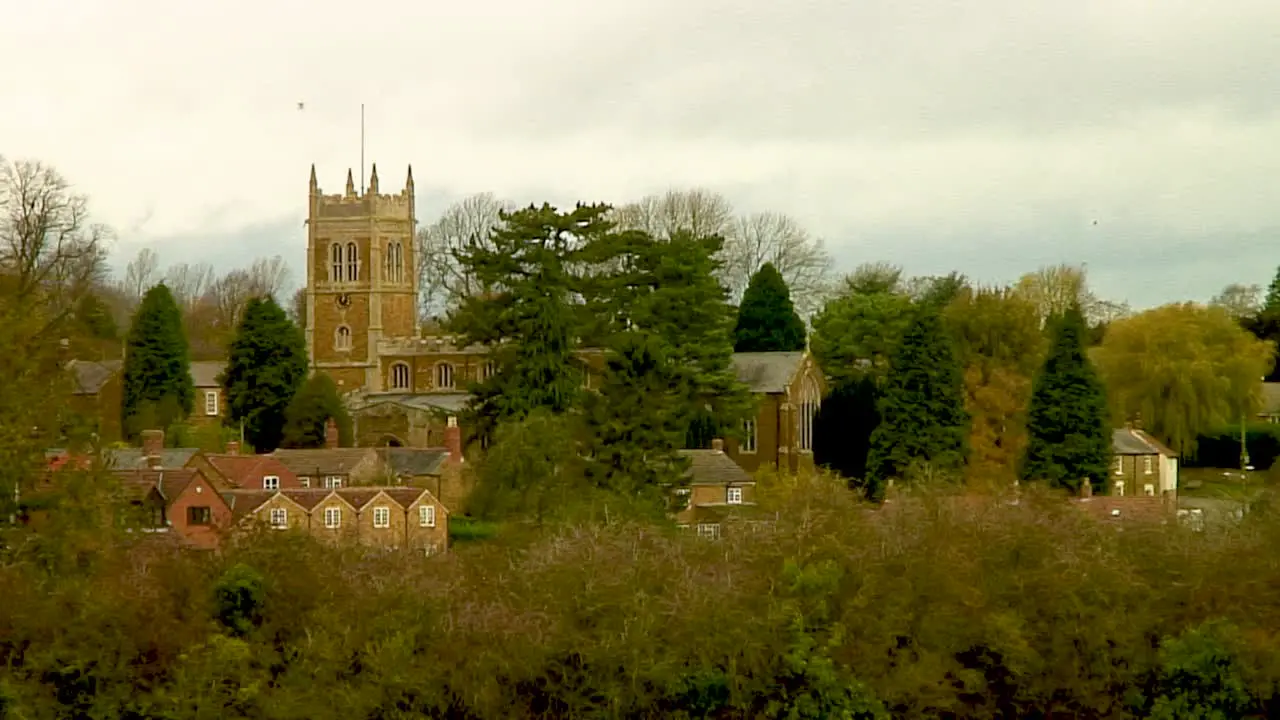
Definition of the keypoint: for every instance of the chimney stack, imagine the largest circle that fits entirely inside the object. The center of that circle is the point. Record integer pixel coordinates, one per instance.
(154, 462)
(717, 444)
(152, 446)
(453, 440)
(233, 447)
(331, 434)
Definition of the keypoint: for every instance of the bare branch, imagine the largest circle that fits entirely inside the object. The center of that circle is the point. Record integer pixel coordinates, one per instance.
(268, 276)
(698, 211)
(773, 237)
(189, 283)
(140, 275)
(442, 281)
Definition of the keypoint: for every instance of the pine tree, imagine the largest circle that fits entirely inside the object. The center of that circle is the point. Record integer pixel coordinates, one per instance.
(266, 365)
(1069, 435)
(530, 324)
(158, 389)
(923, 421)
(767, 320)
(309, 411)
(634, 421)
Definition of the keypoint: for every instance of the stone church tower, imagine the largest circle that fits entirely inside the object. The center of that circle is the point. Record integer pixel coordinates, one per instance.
(362, 283)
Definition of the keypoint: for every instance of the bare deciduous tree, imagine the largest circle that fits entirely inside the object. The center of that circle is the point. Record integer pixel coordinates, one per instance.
(227, 297)
(298, 308)
(1055, 288)
(140, 275)
(773, 237)
(188, 283)
(1238, 300)
(267, 276)
(442, 282)
(698, 211)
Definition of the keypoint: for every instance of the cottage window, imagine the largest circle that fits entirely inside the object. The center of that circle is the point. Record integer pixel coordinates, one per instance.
(1147, 468)
(279, 518)
(1119, 465)
(748, 436)
(270, 482)
(353, 262)
(709, 530)
(810, 401)
(444, 376)
(1149, 490)
(342, 338)
(332, 518)
(304, 481)
(427, 516)
(1120, 488)
(335, 260)
(382, 517)
(400, 376)
(199, 516)
(733, 495)
(210, 402)
(332, 482)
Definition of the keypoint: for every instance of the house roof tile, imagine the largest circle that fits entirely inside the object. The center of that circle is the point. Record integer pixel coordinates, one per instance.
(414, 461)
(323, 461)
(713, 467)
(767, 372)
(91, 375)
(204, 373)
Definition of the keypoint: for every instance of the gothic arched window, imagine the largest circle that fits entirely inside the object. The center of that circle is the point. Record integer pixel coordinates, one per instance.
(335, 262)
(810, 401)
(400, 376)
(353, 262)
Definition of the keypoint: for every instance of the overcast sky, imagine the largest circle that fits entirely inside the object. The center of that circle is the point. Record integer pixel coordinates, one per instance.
(985, 137)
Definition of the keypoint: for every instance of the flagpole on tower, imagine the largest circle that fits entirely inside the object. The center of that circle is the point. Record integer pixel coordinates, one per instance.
(361, 148)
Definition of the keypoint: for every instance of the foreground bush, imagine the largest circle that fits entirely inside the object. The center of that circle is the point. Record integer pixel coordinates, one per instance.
(926, 608)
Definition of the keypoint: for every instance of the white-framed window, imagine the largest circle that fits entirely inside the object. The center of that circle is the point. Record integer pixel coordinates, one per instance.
(332, 482)
(382, 517)
(733, 495)
(427, 516)
(748, 436)
(335, 262)
(810, 401)
(332, 518)
(211, 402)
(304, 481)
(1119, 465)
(270, 482)
(1148, 466)
(444, 376)
(1149, 490)
(342, 338)
(400, 376)
(709, 530)
(353, 262)
(279, 518)
(1120, 488)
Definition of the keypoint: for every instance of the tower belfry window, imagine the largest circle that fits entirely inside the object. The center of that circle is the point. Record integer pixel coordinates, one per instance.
(353, 262)
(335, 259)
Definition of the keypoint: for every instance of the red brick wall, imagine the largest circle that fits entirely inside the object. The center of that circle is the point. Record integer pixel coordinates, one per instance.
(200, 493)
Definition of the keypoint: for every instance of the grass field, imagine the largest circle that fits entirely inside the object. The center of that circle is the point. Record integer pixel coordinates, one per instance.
(1221, 483)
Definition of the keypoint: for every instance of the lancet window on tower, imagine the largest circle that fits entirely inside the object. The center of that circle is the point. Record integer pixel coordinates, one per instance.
(395, 262)
(335, 262)
(353, 262)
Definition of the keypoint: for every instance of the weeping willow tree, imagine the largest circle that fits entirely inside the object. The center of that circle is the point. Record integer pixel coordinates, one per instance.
(1184, 369)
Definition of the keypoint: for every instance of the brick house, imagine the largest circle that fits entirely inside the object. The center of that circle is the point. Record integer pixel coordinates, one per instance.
(384, 517)
(789, 387)
(231, 470)
(96, 395)
(1141, 465)
(718, 488)
(332, 468)
(210, 401)
(190, 505)
(153, 454)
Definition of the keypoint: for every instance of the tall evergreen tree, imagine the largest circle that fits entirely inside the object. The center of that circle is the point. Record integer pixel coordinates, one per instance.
(842, 430)
(266, 365)
(635, 423)
(158, 389)
(767, 320)
(309, 411)
(923, 421)
(1069, 436)
(529, 322)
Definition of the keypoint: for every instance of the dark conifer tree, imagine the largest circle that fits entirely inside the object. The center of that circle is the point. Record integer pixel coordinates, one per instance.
(266, 364)
(309, 411)
(767, 319)
(1069, 435)
(158, 389)
(923, 421)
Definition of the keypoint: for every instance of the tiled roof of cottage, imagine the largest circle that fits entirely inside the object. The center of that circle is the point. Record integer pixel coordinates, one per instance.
(713, 467)
(90, 376)
(238, 469)
(169, 482)
(323, 461)
(243, 502)
(1131, 441)
(414, 461)
(136, 459)
(204, 373)
(767, 372)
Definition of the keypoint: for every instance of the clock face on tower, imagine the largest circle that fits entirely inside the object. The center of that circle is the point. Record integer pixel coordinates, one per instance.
(344, 300)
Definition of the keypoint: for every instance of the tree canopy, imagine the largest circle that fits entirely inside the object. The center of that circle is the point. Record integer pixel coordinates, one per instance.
(266, 365)
(158, 389)
(767, 321)
(310, 410)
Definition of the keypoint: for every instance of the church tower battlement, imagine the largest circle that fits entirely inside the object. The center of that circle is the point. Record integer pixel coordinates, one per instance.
(362, 280)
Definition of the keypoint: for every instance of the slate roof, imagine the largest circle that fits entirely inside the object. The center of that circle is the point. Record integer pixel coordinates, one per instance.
(1128, 441)
(1270, 398)
(414, 461)
(452, 402)
(90, 376)
(713, 467)
(237, 469)
(322, 461)
(135, 459)
(767, 372)
(204, 373)
(169, 482)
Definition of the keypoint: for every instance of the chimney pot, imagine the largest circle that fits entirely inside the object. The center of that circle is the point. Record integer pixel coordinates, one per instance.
(154, 462)
(233, 447)
(717, 444)
(331, 434)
